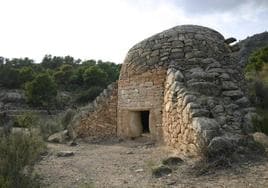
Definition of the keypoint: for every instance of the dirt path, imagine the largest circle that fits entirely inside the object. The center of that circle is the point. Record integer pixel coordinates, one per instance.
(128, 164)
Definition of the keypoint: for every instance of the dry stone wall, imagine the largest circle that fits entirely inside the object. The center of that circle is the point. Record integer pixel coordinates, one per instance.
(97, 121)
(142, 92)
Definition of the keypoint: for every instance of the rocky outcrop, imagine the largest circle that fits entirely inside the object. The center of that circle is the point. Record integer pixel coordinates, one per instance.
(11, 99)
(251, 44)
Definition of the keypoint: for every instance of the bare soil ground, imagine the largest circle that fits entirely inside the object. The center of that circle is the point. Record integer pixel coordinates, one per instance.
(128, 164)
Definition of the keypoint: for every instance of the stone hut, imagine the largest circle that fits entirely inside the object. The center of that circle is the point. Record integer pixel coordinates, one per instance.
(183, 86)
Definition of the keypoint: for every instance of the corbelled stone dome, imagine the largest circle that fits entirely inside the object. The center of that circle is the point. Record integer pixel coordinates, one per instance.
(183, 87)
(172, 45)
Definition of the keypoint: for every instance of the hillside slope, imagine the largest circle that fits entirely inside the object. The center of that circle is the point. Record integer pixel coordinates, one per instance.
(250, 44)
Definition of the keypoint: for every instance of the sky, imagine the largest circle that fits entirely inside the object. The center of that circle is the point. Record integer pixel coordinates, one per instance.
(107, 29)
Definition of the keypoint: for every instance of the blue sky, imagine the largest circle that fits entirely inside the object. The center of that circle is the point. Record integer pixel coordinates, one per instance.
(106, 29)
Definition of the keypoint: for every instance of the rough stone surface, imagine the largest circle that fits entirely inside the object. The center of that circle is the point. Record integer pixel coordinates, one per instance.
(261, 138)
(97, 120)
(59, 137)
(189, 80)
(171, 161)
(160, 171)
(65, 154)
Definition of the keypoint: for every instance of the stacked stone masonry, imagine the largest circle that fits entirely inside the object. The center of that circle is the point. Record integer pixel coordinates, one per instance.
(189, 81)
(97, 120)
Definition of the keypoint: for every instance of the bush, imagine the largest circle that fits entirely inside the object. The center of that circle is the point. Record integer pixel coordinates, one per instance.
(94, 76)
(26, 120)
(261, 123)
(50, 126)
(257, 76)
(89, 95)
(19, 152)
(26, 74)
(9, 77)
(42, 91)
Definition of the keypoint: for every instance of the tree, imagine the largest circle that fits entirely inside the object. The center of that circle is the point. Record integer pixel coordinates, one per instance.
(62, 77)
(41, 91)
(9, 77)
(26, 74)
(94, 76)
(19, 62)
(111, 69)
(50, 62)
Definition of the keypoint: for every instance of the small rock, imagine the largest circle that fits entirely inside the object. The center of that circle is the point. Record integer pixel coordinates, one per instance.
(139, 170)
(129, 152)
(72, 143)
(171, 161)
(58, 137)
(170, 182)
(230, 40)
(65, 154)
(261, 138)
(243, 102)
(234, 94)
(179, 76)
(160, 171)
(220, 146)
(235, 48)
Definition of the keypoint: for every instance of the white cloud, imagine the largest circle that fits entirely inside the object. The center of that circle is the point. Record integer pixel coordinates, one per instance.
(104, 29)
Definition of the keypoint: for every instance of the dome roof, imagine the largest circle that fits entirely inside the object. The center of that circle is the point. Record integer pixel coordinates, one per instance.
(175, 44)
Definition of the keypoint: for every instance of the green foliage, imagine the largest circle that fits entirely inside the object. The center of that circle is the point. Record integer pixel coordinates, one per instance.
(9, 77)
(71, 75)
(112, 70)
(19, 62)
(257, 60)
(88, 95)
(26, 120)
(42, 91)
(261, 123)
(67, 117)
(19, 152)
(257, 76)
(26, 74)
(94, 76)
(54, 62)
(49, 126)
(62, 77)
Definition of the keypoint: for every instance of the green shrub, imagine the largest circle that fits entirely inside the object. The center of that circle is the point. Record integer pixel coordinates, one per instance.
(19, 152)
(261, 123)
(50, 126)
(257, 77)
(26, 120)
(94, 76)
(26, 74)
(42, 91)
(67, 118)
(9, 77)
(88, 95)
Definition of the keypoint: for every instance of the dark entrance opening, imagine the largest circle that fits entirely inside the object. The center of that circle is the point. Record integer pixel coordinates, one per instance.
(145, 121)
